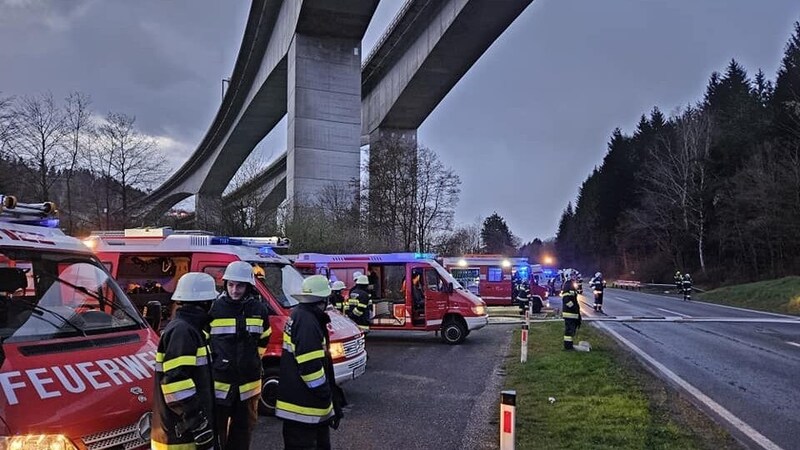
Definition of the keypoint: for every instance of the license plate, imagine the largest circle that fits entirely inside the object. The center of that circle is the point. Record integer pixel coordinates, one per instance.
(358, 371)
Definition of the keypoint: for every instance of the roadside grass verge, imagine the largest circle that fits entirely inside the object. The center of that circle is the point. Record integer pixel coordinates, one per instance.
(604, 399)
(780, 296)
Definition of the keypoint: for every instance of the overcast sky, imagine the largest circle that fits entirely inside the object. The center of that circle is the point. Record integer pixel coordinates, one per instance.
(523, 128)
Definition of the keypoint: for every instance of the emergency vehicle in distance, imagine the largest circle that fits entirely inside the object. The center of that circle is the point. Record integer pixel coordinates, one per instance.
(77, 358)
(494, 278)
(448, 307)
(149, 262)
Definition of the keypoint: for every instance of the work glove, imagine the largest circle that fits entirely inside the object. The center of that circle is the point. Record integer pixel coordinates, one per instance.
(203, 436)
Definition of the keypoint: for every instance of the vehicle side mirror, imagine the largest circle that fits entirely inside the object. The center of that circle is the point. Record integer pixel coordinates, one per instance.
(152, 314)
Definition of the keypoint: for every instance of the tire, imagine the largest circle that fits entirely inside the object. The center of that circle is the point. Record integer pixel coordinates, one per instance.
(269, 391)
(454, 331)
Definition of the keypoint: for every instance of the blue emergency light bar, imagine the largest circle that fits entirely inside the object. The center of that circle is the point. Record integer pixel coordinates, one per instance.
(424, 255)
(47, 223)
(225, 240)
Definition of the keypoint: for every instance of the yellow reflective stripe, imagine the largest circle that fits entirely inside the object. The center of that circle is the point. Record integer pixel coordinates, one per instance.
(568, 338)
(206, 334)
(159, 446)
(202, 351)
(250, 386)
(261, 351)
(220, 386)
(319, 412)
(223, 323)
(159, 357)
(310, 355)
(311, 377)
(174, 363)
(254, 321)
(182, 385)
(567, 315)
(266, 333)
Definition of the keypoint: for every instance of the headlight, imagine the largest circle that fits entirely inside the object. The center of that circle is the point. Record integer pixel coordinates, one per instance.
(36, 442)
(479, 310)
(337, 350)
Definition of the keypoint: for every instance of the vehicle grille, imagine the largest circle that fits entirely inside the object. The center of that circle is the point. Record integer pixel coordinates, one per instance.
(353, 347)
(126, 438)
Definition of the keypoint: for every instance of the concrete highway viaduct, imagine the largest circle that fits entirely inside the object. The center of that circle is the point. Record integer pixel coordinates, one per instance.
(302, 58)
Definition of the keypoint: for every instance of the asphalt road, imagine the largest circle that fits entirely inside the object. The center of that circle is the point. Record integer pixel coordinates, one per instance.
(751, 368)
(419, 393)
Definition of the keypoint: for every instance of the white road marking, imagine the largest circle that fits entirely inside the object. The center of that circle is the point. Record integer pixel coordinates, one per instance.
(622, 300)
(793, 343)
(673, 312)
(739, 424)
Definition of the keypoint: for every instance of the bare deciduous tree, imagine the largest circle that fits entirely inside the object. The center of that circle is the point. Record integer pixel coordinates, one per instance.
(40, 133)
(437, 196)
(79, 136)
(677, 183)
(134, 159)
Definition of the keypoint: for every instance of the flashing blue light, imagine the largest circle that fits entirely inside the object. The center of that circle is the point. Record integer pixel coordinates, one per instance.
(47, 223)
(424, 256)
(548, 271)
(266, 251)
(225, 240)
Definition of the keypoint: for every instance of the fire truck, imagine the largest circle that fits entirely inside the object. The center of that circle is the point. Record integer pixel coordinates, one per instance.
(149, 262)
(77, 359)
(442, 303)
(494, 278)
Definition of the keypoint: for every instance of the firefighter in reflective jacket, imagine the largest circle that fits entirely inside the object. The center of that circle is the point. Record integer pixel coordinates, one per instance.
(598, 286)
(239, 335)
(309, 402)
(678, 280)
(359, 303)
(571, 311)
(336, 299)
(184, 394)
(686, 284)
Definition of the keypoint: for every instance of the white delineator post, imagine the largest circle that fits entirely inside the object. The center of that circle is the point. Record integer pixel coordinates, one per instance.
(523, 352)
(508, 427)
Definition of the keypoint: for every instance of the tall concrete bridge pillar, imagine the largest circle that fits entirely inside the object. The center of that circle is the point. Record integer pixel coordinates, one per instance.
(208, 212)
(324, 115)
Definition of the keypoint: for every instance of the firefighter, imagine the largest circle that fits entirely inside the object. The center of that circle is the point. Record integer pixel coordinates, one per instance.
(571, 312)
(336, 299)
(184, 395)
(686, 284)
(678, 279)
(598, 286)
(309, 402)
(239, 334)
(359, 303)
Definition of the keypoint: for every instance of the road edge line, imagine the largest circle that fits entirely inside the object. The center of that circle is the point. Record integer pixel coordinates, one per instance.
(715, 407)
(787, 316)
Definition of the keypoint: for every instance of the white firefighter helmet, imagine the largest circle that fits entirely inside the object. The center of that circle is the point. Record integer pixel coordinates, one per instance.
(195, 287)
(314, 289)
(356, 274)
(239, 271)
(362, 279)
(338, 286)
(598, 275)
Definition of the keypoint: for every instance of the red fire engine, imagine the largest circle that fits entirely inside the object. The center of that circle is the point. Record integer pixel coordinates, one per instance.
(494, 278)
(77, 359)
(148, 263)
(447, 307)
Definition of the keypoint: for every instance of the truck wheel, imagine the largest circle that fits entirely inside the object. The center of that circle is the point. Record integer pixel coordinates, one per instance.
(269, 391)
(454, 331)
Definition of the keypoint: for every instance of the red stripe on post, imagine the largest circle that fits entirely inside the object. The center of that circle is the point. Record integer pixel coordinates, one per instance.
(506, 421)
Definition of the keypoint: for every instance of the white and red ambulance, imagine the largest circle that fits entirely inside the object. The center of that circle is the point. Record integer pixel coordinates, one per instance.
(76, 357)
(447, 306)
(148, 262)
(494, 277)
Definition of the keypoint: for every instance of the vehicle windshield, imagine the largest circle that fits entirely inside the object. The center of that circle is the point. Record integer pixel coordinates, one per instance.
(446, 276)
(46, 295)
(281, 280)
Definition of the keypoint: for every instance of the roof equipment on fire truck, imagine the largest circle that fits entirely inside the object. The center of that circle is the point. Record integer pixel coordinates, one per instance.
(38, 214)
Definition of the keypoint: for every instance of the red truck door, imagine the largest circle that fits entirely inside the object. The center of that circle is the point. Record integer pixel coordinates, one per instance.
(434, 289)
